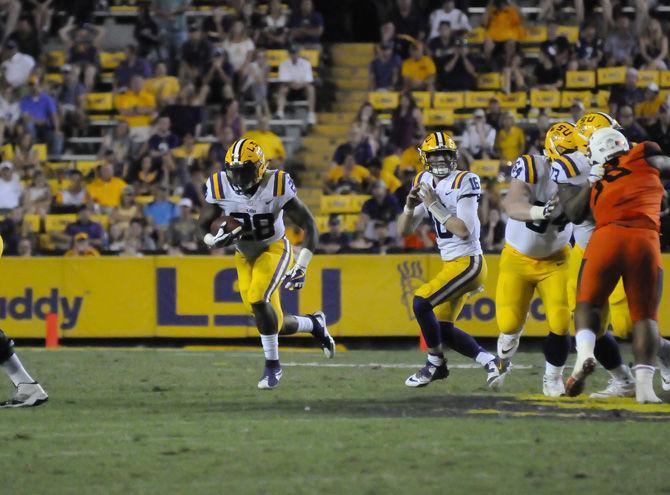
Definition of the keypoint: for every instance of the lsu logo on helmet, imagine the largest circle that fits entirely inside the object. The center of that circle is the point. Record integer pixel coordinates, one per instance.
(590, 123)
(244, 165)
(439, 154)
(560, 139)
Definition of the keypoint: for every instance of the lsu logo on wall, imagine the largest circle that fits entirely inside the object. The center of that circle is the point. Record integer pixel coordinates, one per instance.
(411, 278)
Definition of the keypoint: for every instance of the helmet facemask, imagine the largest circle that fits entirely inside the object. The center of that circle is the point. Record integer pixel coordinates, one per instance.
(441, 162)
(242, 176)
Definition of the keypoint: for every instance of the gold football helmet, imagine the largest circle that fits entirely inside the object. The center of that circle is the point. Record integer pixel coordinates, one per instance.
(439, 154)
(244, 165)
(560, 139)
(590, 123)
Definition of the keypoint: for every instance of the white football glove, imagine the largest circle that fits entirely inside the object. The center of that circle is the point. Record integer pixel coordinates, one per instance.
(543, 212)
(597, 172)
(221, 238)
(295, 277)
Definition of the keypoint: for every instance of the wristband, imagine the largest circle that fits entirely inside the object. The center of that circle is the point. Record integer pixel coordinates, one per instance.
(304, 257)
(440, 212)
(408, 210)
(537, 213)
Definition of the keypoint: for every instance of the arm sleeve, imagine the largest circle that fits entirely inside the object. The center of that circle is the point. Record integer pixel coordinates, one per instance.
(466, 210)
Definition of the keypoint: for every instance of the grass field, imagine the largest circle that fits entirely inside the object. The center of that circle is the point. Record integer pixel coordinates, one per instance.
(178, 421)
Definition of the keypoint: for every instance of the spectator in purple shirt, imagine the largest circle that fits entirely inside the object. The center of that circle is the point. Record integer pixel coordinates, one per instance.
(84, 223)
(40, 114)
(358, 145)
(133, 65)
(385, 68)
(160, 146)
(306, 24)
(196, 55)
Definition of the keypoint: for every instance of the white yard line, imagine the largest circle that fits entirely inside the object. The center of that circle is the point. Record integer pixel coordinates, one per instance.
(393, 365)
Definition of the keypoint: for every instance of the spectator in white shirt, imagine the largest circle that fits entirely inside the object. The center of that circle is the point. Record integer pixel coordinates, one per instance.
(10, 112)
(10, 187)
(448, 13)
(239, 47)
(295, 75)
(16, 66)
(478, 139)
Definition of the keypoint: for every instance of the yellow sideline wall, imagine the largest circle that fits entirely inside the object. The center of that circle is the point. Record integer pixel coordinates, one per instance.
(362, 295)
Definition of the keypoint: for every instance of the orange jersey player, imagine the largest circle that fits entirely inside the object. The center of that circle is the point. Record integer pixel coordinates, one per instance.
(625, 200)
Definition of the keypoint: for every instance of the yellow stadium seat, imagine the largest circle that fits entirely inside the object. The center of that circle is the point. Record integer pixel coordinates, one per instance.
(602, 98)
(41, 149)
(55, 59)
(7, 152)
(349, 222)
(476, 36)
(350, 203)
(85, 166)
(33, 221)
(201, 149)
(123, 8)
(102, 220)
(570, 32)
(455, 100)
(57, 223)
(478, 99)
(59, 165)
(312, 55)
(99, 102)
(488, 80)
(568, 97)
(111, 60)
(58, 184)
(143, 200)
(54, 78)
(438, 117)
(513, 100)
(485, 168)
(422, 98)
(276, 57)
(578, 79)
(611, 75)
(383, 100)
(535, 34)
(545, 99)
(646, 77)
(665, 79)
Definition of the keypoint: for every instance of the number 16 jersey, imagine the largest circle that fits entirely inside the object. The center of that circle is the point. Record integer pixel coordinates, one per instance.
(261, 215)
(538, 239)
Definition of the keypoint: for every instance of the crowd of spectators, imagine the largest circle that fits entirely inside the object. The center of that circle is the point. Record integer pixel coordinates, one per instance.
(180, 80)
(428, 50)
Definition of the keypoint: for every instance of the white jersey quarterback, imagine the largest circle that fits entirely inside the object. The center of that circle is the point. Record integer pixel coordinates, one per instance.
(538, 239)
(451, 190)
(573, 168)
(261, 215)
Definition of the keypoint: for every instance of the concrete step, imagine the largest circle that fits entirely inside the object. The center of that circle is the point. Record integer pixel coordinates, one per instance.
(345, 60)
(347, 105)
(356, 83)
(345, 71)
(336, 118)
(315, 159)
(354, 49)
(330, 130)
(319, 143)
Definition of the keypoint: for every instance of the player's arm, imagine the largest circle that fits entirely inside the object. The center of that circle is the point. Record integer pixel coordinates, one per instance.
(302, 217)
(575, 201)
(517, 204)
(460, 224)
(208, 214)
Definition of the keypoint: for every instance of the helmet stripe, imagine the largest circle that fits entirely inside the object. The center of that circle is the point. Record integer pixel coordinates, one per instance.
(237, 150)
(609, 118)
(439, 138)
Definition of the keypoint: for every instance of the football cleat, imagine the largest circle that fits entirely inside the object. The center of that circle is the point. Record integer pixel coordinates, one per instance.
(429, 373)
(26, 395)
(553, 386)
(664, 367)
(616, 388)
(270, 378)
(321, 334)
(508, 344)
(496, 369)
(576, 383)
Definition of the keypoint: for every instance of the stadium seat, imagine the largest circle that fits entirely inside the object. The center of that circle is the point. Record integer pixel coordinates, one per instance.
(646, 77)
(111, 60)
(422, 98)
(33, 221)
(102, 220)
(384, 100)
(568, 97)
(535, 34)
(611, 75)
(478, 99)
(41, 150)
(570, 32)
(602, 98)
(476, 36)
(59, 166)
(57, 223)
(57, 184)
(485, 168)
(143, 200)
(515, 100)
(85, 167)
(99, 102)
(55, 59)
(276, 57)
(337, 203)
(545, 99)
(348, 222)
(580, 79)
(53, 78)
(438, 117)
(7, 152)
(455, 100)
(488, 80)
(665, 79)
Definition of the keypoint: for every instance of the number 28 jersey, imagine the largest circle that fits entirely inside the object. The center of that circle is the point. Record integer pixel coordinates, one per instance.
(451, 190)
(261, 215)
(538, 239)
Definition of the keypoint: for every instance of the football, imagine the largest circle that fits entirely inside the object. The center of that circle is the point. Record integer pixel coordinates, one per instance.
(232, 224)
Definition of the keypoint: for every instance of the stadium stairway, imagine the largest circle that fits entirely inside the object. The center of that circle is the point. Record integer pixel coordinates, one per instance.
(349, 73)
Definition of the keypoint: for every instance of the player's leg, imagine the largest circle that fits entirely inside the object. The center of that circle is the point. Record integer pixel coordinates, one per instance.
(454, 279)
(514, 291)
(314, 324)
(552, 290)
(599, 273)
(28, 391)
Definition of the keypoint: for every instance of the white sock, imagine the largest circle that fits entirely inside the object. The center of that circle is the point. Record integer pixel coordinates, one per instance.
(644, 381)
(16, 372)
(551, 370)
(435, 359)
(586, 342)
(270, 347)
(484, 358)
(621, 373)
(305, 325)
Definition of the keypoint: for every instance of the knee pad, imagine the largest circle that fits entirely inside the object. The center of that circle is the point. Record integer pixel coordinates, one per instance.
(421, 306)
(559, 321)
(508, 321)
(6, 347)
